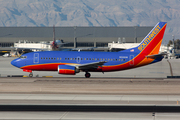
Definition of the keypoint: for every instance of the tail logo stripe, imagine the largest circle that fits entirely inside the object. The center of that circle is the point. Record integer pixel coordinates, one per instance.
(149, 38)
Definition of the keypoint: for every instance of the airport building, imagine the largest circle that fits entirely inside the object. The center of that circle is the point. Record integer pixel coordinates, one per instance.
(74, 36)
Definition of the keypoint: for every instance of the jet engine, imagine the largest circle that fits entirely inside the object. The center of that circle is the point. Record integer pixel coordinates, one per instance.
(67, 70)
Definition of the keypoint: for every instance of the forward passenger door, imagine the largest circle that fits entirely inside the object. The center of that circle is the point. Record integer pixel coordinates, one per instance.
(36, 58)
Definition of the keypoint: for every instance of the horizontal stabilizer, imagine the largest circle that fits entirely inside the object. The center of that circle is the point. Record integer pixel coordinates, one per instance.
(156, 55)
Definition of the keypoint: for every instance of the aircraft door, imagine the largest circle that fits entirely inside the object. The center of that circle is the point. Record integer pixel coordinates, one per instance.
(78, 59)
(131, 60)
(36, 57)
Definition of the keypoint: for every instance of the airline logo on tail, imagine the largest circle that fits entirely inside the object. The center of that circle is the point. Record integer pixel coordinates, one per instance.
(149, 37)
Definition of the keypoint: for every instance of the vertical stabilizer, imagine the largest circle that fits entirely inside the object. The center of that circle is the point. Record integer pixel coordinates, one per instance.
(149, 46)
(152, 42)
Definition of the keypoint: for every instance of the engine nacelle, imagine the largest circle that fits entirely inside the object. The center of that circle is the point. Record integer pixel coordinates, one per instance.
(67, 70)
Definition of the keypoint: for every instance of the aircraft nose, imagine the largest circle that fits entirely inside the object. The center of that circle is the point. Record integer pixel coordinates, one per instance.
(14, 63)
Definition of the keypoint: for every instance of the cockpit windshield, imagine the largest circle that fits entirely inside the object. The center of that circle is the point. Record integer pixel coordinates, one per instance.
(23, 57)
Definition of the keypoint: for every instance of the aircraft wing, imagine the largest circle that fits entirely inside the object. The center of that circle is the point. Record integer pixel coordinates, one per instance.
(90, 65)
(156, 55)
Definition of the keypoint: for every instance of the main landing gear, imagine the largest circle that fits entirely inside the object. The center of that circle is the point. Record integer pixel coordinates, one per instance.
(87, 75)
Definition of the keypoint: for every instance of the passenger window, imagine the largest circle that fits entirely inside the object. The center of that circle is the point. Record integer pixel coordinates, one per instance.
(57, 58)
(84, 58)
(60, 58)
(89, 58)
(92, 58)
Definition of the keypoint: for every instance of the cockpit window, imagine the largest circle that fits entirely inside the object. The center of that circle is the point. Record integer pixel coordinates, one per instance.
(23, 57)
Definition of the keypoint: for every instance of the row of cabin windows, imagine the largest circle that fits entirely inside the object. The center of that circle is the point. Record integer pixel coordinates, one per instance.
(50, 58)
(101, 59)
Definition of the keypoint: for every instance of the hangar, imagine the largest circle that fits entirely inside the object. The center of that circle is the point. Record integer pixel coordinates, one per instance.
(75, 36)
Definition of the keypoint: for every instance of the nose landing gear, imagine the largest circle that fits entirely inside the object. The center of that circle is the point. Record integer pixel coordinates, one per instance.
(87, 75)
(31, 74)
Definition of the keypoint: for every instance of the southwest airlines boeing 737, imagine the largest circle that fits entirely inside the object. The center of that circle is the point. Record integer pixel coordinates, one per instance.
(72, 62)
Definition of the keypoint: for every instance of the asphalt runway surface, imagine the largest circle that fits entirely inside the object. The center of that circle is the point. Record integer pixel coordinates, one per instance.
(89, 99)
(94, 91)
(90, 86)
(88, 107)
(68, 115)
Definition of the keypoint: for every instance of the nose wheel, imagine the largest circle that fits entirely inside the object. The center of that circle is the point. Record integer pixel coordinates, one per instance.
(31, 75)
(87, 75)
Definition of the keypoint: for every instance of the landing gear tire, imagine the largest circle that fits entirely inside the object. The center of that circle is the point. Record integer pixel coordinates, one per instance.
(30, 75)
(87, 75)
